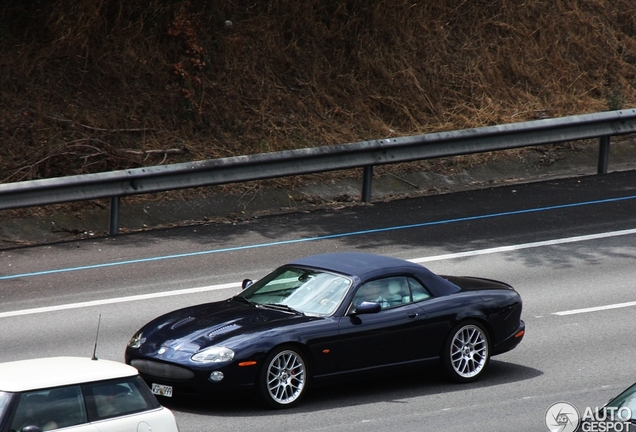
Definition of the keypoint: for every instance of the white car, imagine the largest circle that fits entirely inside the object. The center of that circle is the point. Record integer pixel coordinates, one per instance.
(82, 394)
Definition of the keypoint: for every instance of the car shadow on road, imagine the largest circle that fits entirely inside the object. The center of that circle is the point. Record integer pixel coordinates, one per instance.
(395, 388)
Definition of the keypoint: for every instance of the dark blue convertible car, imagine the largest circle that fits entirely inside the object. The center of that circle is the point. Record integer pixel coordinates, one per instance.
(324, 318)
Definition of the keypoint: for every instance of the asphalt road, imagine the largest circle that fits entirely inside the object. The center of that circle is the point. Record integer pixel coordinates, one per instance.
(568, 246)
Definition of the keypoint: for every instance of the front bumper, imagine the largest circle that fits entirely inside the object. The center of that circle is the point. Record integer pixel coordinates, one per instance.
(190, 381)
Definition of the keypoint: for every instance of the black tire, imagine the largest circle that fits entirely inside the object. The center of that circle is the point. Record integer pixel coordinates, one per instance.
(283, 378)
(466, 352)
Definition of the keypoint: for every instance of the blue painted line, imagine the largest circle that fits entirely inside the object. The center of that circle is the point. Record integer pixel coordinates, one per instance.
(324, 237)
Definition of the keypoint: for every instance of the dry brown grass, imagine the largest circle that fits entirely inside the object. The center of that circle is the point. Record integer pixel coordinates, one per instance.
(96, 85)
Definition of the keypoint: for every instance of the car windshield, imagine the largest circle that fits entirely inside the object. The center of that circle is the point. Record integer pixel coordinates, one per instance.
(4, 402)
(311, 292)
(626, 399)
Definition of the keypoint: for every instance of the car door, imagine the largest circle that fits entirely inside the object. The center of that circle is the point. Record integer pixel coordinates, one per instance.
(390, 336)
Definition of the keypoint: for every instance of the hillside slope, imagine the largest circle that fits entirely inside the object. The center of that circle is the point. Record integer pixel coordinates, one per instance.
(96, 85)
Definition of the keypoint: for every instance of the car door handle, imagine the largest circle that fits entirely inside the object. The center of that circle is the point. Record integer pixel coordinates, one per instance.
(413, 315)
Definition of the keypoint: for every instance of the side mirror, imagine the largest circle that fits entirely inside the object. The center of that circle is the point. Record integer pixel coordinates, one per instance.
(367, 307)
(31, 428)
(247, 283)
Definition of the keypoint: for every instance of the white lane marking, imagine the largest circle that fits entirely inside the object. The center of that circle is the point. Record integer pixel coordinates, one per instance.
(118, 300)
(595, 309)
(237, 284)
(524, 246)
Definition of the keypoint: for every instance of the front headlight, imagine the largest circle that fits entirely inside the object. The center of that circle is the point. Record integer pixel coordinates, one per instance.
(215, 354)
(136, 340)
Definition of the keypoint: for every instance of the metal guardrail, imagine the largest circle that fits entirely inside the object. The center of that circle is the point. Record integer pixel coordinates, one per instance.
(366, 154)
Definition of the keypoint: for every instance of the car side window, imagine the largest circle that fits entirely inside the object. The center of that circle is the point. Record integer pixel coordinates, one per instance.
(50, 409)
(107, 399)
(389, 292)
(418, 291)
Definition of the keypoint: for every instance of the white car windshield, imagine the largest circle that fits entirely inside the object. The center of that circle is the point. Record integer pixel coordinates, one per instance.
(627, 399)
(4, 403)
(310, 292)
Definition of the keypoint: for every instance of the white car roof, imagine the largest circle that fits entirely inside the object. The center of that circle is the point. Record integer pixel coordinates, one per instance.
(43, 373)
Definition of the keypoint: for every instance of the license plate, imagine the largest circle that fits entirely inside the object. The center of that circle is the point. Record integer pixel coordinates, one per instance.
(162, 390)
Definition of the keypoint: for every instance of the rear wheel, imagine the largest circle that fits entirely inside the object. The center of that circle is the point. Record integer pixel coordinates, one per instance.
(283, 379)
(467, 351)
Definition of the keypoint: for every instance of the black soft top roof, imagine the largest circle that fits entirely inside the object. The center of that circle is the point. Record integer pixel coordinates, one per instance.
(367, 266)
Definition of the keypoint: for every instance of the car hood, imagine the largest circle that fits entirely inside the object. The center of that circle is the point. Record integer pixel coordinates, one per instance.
(191, 329)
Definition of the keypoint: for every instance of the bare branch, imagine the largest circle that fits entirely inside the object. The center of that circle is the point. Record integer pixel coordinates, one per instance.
(132, 130)
(152, 152)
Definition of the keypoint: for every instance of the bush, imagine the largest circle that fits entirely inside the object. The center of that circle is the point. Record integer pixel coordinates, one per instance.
(97, 85)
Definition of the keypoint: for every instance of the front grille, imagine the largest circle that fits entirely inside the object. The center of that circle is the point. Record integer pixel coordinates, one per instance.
(162, 370)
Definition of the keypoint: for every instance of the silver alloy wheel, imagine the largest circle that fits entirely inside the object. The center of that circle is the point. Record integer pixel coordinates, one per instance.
(469, 351)
(285, 378)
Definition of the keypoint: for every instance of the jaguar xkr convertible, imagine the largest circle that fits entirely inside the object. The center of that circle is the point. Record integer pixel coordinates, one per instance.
(326, 318)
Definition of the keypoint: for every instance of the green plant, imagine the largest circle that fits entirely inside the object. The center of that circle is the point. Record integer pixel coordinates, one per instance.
(615, 98)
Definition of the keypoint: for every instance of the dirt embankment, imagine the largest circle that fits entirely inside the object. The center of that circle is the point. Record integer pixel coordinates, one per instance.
(90, 85)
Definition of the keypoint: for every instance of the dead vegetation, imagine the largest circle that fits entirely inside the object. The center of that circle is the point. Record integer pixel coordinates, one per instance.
(98, 85)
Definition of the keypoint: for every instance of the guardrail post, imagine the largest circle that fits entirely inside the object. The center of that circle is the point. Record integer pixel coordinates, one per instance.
(366, 183)
(114, 215)
(603, 154)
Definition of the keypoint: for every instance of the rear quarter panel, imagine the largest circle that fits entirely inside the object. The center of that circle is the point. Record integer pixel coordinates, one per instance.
(499, 310)
(504, 314)
(159, 420)
(443, 313)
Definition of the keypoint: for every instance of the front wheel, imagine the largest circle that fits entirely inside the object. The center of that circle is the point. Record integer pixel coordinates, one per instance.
(466, 352)
(283, 380)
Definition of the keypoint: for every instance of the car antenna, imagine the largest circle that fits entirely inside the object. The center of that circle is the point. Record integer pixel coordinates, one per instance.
(96, 336)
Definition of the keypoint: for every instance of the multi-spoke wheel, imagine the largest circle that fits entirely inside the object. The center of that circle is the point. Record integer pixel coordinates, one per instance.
(284, 378)
(467, 351)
